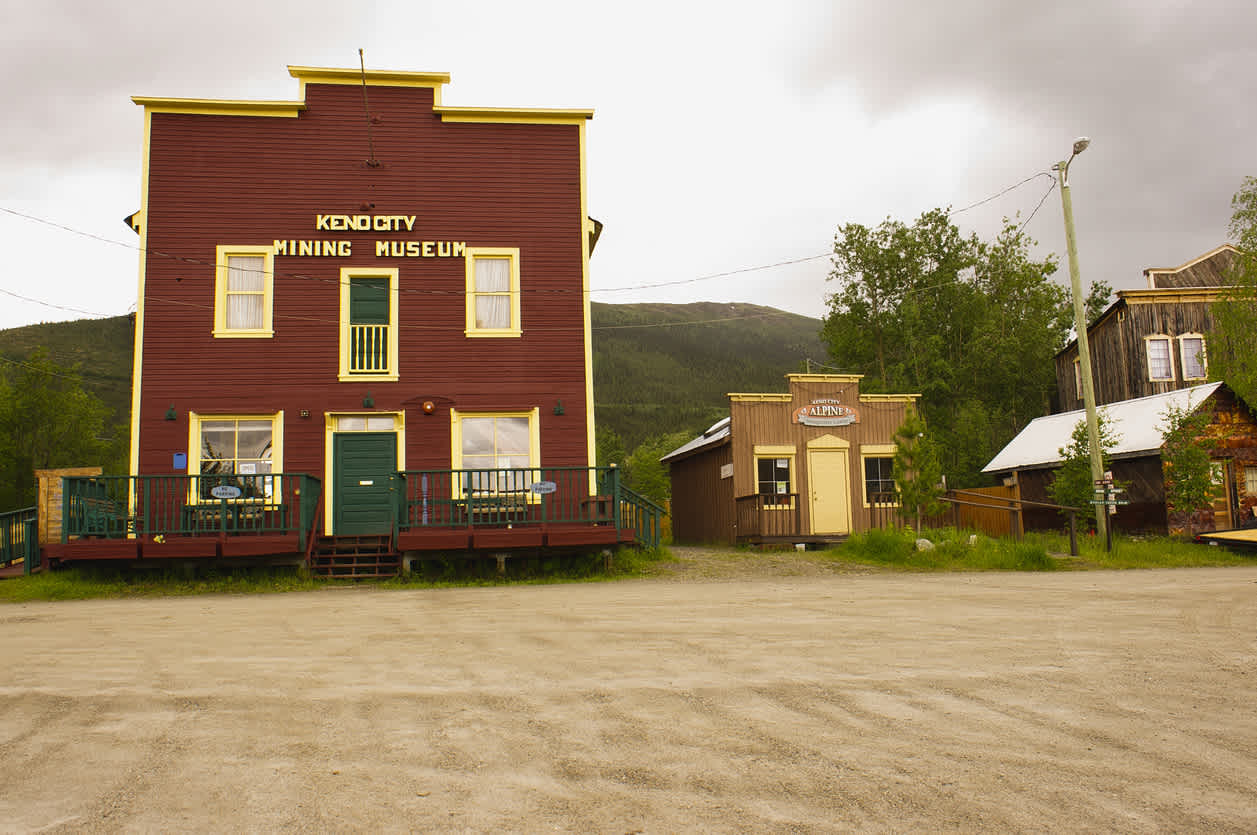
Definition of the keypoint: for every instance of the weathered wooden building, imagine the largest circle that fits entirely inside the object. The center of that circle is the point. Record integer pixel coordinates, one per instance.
(1031, 460)
(362, 313)
(812, 464)
(1152, 340)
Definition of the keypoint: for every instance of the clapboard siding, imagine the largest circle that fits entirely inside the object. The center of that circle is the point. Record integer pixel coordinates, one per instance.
(1119, 360)
(1178, 301)
(248, 180)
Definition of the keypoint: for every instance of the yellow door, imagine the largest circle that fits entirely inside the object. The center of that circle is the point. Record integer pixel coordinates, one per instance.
(830, 481)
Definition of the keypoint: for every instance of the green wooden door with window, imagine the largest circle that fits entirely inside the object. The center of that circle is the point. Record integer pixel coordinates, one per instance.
(363, 463)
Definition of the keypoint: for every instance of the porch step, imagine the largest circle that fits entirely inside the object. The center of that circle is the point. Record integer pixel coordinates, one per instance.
(355, 556)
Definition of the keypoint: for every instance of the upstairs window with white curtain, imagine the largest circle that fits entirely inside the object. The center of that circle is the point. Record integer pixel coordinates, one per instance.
(243, 291)
(493, 291)
(1160, 360)
(1191, 349)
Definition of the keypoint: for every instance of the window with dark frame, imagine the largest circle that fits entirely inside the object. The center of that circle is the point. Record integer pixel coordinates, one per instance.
(773, 476)
(879, 480)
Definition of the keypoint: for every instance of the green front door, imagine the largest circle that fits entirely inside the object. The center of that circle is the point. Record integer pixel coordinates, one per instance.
(363, 463)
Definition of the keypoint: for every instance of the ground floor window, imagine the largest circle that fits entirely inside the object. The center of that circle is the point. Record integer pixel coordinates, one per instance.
(498, 449)
(773, 479)
(235, 451)
(879, 480)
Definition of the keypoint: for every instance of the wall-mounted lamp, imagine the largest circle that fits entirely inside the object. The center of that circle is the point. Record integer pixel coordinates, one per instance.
(368, 402)
(429, 407)
(558, 407)
(171, 414)
(305, 413)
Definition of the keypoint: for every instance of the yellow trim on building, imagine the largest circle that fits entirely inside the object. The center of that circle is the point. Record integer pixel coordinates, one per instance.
(137, 348)
(774, 452)
(331, 421)
(221, 330)
(745, 397)
(504, 252)
(343, 372)
(514, 115)
(880, 450)
(374, 78)
(1183, 356)
(456, 439)
(221, 107)
(587, 320)
(889, 398)
(829, 442)
(783, 450)
(824, 378)
(195, 419)
(1176, 295)
(873, 451)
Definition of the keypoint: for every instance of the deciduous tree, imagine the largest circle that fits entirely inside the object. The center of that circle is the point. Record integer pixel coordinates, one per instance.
(971, 326)
(1185, 466)
(46, 420)
(1233, 343)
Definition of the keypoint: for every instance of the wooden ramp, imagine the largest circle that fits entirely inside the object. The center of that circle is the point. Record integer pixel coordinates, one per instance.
(1245, 538)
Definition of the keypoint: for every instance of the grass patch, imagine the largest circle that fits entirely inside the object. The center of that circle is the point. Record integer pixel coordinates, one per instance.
(1038, 551)
(1141, 552)
(103, 582)
(86, 583)
(953, 551)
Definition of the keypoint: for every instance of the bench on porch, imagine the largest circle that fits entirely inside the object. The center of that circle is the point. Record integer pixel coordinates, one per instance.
(99, 516)
(234, 516)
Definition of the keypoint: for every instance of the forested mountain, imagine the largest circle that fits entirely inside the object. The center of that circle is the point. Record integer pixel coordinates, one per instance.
(658, 368)
(664, 368)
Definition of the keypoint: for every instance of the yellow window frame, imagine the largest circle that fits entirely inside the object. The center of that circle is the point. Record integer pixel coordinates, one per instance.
(1204, 355)
(498, 252)
(347, 273)
(874, 451)
(195, 419)
(222, 254)
(776, 451)
(534, 442)
(1169, 350)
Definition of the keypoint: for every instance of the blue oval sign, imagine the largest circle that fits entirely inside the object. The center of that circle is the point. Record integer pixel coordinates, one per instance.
(543, 487)
(226, 491)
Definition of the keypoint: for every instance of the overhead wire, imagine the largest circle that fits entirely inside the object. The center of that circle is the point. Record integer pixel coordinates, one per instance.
(462, 291)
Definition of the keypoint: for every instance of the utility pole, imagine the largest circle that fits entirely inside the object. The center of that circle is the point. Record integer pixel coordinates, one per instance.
(1080, 327)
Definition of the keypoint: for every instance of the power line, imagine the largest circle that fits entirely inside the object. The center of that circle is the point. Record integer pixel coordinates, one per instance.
(460, 291)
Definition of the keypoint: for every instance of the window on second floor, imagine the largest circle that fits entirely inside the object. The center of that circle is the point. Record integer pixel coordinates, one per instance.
(244, 281)
(1078, 378)
(368, 324)
(1191, 349)
(1160, 360)
(493, 291)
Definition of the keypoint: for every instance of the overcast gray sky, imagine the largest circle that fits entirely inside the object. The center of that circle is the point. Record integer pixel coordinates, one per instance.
(726, 135)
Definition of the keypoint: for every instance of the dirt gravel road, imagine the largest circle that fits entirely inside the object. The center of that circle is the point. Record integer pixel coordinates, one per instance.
(1096, 701)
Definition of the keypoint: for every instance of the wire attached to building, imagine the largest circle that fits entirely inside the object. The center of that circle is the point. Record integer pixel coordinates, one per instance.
(372, 162)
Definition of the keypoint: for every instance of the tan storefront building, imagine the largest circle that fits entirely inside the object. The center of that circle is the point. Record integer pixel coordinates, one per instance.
(812, 464)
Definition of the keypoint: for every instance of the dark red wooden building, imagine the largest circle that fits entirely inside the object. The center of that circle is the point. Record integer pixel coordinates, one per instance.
(362, 313)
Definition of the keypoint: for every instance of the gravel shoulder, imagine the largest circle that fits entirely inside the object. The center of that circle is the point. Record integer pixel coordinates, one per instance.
(729, 697)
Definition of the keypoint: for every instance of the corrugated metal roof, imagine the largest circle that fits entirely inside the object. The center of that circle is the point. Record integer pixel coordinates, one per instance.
(713, 436)
(1138, 425)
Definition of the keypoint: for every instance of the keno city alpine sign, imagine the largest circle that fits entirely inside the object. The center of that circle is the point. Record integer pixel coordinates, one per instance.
(826, 413)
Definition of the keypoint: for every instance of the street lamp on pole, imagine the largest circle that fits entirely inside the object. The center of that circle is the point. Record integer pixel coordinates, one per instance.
(1080, 327)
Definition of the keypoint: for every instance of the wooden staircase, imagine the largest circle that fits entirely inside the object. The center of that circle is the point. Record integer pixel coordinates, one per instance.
(355, 556)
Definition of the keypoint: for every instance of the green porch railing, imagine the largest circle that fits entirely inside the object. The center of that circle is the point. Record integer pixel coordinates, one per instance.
(117, 507)
(19, 539)
(511, 497)
(642, 515)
